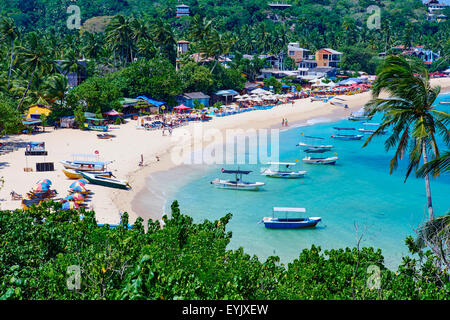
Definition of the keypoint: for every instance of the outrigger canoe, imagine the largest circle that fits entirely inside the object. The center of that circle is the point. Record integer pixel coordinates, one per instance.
(74, 174)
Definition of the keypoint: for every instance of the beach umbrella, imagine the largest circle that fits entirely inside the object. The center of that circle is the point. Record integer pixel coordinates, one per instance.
(78, 189)
(46, 181)
(76, 184)
(84, 181)
(70, 205)
(77, 196)
(41, 187)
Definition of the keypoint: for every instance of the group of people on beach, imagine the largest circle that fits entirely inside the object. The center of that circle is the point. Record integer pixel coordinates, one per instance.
(284, 123)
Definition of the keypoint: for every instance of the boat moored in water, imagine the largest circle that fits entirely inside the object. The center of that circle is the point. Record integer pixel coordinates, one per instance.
(238, 183)
(287, 222)
(341, 136)
(286, 174)
(314, 160)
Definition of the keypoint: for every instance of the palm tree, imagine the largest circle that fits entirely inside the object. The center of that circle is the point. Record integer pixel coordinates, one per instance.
(199, 28)
(71, 63)
(9, 32)
(118, 36)
(409, 110)
(34, 58)
(56, 87)
(164, 37)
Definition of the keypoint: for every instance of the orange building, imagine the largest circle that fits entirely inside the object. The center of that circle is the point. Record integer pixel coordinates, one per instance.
(328, 58)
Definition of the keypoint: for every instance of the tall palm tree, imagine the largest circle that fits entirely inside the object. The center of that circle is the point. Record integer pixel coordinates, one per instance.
(56, 88)
(119, 37)
(71, 63)
(9, 32)
(35, 58)
(164, 37)
(200, 28)
(409, 110)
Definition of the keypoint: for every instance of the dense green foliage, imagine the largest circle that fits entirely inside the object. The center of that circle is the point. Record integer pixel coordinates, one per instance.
(185, 260)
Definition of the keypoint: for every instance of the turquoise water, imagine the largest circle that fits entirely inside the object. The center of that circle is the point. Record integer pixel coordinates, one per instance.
(355, 197)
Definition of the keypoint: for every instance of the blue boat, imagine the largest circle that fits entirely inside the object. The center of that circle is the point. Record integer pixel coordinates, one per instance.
(289, 223)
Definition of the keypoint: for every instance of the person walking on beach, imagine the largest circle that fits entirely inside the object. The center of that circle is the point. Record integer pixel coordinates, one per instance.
(285, 122)
(282, 123)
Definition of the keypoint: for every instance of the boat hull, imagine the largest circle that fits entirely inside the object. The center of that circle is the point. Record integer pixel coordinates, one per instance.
(73, 174)
(284, 175)
(231, 185)
(347, 138)
(328, 161)
(104, 181)
(72, 166)
(276, 223)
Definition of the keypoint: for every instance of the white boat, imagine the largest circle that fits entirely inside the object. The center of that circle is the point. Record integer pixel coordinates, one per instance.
(358, 116)
(310, 146)
(287, 222)
(85, 165)
(370, 131)
(313, 160)
(445, 102)
(287, 174)
(238, 183)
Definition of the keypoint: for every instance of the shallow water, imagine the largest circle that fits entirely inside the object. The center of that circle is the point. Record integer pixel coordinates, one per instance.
(355, 197)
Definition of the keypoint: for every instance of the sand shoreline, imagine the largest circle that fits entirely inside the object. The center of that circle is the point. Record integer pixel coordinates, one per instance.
(130, 143)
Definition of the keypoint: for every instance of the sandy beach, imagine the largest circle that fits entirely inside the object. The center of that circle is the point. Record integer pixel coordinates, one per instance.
(126, 148)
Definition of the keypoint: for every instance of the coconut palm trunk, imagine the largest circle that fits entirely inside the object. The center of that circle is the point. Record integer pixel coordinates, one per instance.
(11, 62)
(26, 91)
(427, 183)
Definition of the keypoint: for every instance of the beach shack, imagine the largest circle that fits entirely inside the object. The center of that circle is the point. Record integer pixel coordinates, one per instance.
(96, 124)
(112, 115)
(35, 111)
(152, 105)
(188, 99)
(225, 96)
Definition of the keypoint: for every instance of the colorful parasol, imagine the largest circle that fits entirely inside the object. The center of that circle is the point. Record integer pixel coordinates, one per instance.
(70, 205)
(76, 184)
(80, 189)
(41, 187)
(46, 181)
(83, 181)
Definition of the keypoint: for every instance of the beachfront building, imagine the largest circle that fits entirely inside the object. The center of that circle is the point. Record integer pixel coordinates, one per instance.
(35, 111)
(426, 55)
(296, 53)
(188, 99)
(435, 11)
(279, 5)
(225, 96)
(327, 57)
(328, 72)
(183, 10)
(182, 47)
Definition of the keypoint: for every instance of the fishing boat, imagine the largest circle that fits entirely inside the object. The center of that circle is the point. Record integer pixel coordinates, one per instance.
(287, 174)
(339, 104)
(445, 102)
(341, 136)
(320, 160)
(74, 174)
(100, 180)
(314, 147)
(105, 136)
(370, 131)
(238, 183)
(85, 165)
(95, 124)
(358, 116)
(287, 222)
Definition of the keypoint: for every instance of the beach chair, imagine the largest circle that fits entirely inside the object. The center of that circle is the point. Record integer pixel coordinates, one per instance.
(15, 196)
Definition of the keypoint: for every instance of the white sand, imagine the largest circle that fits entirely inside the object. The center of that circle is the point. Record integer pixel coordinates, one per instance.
(126, 149)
